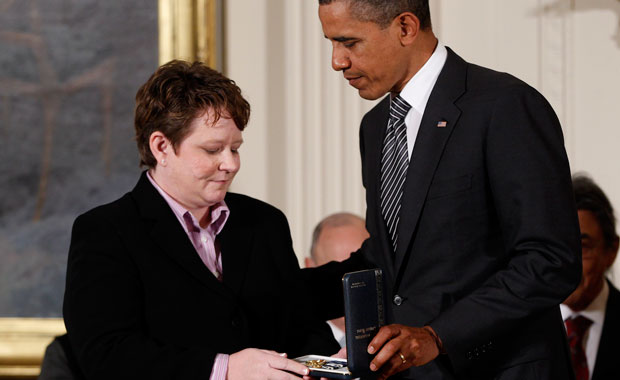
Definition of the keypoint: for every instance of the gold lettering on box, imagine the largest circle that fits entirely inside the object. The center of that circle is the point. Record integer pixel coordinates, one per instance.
(359, 284)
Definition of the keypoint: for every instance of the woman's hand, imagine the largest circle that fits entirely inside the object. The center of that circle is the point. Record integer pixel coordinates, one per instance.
(255, 364)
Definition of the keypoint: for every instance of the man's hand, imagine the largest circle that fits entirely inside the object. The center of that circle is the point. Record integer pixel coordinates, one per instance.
(254, 364)
(400, 347)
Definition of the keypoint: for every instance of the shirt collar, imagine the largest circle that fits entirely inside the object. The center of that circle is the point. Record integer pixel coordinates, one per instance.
(219, 211)
(417, 91)
(595, 310)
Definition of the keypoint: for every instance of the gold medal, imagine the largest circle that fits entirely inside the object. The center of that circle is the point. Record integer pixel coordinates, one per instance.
(315, 363)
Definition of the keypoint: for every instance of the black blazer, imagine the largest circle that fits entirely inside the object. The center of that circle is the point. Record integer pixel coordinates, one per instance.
(488, 240)
(140, 304)
(606, 365)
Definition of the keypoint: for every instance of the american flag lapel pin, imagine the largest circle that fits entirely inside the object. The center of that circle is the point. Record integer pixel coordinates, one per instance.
(442, 124)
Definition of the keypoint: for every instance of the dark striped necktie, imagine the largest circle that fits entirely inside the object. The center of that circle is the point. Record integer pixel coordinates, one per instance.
(394, 164)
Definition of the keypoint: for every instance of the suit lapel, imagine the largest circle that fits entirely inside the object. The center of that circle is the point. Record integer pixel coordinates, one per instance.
(605, 365)
(428, 148)
(236, 242)
(168, 235)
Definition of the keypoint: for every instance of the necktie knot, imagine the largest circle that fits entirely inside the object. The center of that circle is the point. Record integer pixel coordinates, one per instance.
(577, 326)
(398, 109)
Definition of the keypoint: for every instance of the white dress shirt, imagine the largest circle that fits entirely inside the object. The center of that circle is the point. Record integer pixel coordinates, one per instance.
(417, 91)
(339, 335)
(596, 313)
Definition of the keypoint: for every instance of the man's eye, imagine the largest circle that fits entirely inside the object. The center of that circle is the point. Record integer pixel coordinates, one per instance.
(350, 44)
(587, 247)
(212, 151)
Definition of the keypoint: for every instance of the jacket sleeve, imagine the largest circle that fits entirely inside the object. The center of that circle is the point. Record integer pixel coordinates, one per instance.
(305, 334)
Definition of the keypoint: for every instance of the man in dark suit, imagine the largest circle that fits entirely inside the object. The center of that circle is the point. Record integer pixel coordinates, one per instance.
(469, 203)
(592, 312)
(178, 279)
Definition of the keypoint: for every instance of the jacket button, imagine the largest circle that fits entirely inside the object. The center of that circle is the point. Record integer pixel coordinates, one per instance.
(235, 322)
(398, 300)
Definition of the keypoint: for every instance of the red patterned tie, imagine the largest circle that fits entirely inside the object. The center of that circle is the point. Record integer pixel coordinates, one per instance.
(575, 329)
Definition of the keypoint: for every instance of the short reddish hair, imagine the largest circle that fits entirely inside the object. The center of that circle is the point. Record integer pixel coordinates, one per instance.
(176, 94)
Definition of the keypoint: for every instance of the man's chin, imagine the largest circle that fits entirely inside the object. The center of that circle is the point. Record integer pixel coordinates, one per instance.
(576, 301)
(368, 94)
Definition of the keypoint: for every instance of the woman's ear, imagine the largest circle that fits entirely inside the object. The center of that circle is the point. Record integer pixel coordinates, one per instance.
(160, 147)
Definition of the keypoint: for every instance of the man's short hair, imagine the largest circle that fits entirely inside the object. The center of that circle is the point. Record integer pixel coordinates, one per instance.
(333, 220)
(590, 197)
(176, 94)
(382, 12)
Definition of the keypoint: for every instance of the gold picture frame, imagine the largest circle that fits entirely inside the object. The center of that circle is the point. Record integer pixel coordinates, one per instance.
(191, 30)
(22, 345)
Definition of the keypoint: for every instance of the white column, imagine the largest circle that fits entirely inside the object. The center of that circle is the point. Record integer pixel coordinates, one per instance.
(247, 64)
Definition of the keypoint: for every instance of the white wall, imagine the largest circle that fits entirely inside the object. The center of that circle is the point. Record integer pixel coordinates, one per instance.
(301, 150)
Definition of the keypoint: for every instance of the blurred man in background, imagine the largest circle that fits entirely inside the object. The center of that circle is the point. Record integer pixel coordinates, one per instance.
(592, 312)
(333, 239)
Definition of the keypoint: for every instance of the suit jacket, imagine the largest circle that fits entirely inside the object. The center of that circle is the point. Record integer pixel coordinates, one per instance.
(488, 239)
(139, 302)
(59, 361)
(606, 365)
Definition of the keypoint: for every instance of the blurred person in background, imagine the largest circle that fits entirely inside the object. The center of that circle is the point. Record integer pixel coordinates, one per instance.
(334, 239)
(592, 312)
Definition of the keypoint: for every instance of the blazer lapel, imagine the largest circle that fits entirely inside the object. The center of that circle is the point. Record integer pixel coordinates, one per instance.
(168, 235)
(428, 148)
(376, 125)
(236, 243)
(605, 365)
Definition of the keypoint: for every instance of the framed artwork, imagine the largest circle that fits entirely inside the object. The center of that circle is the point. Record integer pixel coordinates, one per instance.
(69, 71)
(191, 30)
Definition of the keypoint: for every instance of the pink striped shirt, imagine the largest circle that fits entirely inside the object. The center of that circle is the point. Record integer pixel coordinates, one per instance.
(203, 240)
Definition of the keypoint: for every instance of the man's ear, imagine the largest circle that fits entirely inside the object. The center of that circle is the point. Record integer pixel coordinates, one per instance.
(408, 26)
(611, 253)
(161, 147)
(615, 246)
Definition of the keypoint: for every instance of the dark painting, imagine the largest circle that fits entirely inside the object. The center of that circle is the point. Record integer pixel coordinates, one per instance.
(69, 71)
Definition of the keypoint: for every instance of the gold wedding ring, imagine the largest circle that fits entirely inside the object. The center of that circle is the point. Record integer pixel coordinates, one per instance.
(402, 357)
